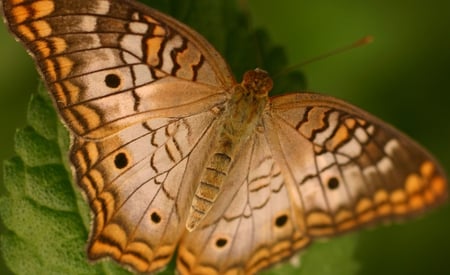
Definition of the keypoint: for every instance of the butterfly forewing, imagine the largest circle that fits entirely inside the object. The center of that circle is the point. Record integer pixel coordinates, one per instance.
(110, 64)
(350, 168)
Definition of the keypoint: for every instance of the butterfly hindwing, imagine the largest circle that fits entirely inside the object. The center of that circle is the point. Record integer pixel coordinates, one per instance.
(138, 187)
(251, 225)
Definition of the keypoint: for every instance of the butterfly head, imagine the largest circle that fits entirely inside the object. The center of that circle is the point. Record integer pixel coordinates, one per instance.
(258, 82)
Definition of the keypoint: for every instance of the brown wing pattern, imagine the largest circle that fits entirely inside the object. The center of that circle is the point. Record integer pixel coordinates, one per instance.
(350, 168)
(321, 167)
(252, 225)
(110, 64)
(143, 95)
(139, 185)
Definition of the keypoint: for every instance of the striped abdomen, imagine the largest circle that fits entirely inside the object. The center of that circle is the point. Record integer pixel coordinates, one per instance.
(240, 119)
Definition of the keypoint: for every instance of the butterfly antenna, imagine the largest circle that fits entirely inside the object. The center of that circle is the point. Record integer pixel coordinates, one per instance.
(360, 42)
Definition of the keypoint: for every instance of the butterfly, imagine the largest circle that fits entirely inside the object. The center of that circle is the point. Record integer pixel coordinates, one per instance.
(173, 154)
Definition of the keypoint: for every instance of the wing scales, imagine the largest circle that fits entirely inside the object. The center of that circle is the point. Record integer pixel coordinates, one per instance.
(359, 172)
(251, 225)
(111, 64)
(137, 182)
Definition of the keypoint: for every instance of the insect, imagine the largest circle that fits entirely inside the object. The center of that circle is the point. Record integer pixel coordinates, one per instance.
(173, 154)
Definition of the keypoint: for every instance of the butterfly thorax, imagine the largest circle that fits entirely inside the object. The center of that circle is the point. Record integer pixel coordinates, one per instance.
(239, 121)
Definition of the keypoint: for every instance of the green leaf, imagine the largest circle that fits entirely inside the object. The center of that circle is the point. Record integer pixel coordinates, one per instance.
(44, 232)
(323, 258)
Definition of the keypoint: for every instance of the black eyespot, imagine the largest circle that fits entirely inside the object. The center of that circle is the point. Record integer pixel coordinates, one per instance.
(121, 160)
(156, 218)
(221, 242)
(281, 220)
(333, 183)
(112, 80)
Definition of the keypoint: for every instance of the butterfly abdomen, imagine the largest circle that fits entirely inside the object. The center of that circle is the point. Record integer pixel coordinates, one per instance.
(240, 119)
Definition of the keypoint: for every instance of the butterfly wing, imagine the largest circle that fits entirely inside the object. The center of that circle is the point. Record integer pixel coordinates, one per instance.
(111, 64)
(349, 168)
(118, 73)
(139, 183)
(250, 225)
(321, 167)
(139, 91)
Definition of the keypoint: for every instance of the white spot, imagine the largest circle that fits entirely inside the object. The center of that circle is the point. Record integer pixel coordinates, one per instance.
(385, 165)
(102, 7)
(132, 43)
(371, 130)
(351, 149)
(142, 75)
(166, 57)
(361, 135)
(135, 16)
(138, 27)
(88, 23)
(391, 146)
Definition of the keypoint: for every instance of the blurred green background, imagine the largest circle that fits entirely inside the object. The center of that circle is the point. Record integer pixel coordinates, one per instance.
(403, 77)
